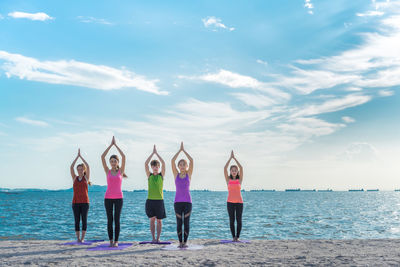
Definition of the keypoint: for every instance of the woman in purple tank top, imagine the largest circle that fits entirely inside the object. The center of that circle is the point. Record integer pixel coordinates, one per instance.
(183, 200)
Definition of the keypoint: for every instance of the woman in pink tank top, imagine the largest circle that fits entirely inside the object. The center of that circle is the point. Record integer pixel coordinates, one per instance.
(235, 201)
(113, 198)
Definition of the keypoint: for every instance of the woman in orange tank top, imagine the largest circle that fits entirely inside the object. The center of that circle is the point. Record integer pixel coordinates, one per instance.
(235, 201)
(80, 201)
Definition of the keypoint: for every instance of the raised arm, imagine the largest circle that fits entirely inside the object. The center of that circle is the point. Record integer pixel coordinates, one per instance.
(226, 168)
(161, 160)
(146, 164)
(87, 176)
(72, 168)
(190, 171)
(173, 163)
(240, 170)
(123, 158)
(103, 157)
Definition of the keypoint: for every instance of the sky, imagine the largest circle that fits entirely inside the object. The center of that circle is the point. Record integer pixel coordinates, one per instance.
(305, 92)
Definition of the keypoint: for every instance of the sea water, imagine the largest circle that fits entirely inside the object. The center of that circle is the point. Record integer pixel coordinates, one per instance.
(266, 215)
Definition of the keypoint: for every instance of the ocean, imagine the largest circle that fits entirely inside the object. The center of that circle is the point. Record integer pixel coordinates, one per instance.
(266, 215)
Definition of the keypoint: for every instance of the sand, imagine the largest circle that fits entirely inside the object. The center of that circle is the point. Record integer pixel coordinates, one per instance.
(380, 252)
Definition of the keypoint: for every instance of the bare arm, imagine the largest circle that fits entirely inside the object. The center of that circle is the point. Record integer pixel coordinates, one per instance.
(240, 170)
(162, 163)
(87, 167)
(226, 168)
(103, 158)
(190, 171)
(173, 164)
(146, 164)
(72, 170)
(123, 159)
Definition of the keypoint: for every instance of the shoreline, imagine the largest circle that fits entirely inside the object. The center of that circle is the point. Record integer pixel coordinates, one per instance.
(354, 252)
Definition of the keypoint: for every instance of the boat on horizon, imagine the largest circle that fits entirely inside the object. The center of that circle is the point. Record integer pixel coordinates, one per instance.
(356, 190)
(372, 190)
(325, 190)
(292, 190)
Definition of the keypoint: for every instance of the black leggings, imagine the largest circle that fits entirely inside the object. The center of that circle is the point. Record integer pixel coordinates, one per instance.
(109, 203)
(235, 209)
(80, 210)
(182, 212)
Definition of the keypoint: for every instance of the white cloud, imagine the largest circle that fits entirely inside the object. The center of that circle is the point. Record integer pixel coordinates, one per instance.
(93, 20)
(371, 13)
(360, 152)
(71, 72)
(333, 105)
(386, 92)
(235, 80)
(309, 127)
(309, 6)
(255, 100)
(308, 81)
(262, 62)
(347, 119)
(32, 122)
(32, 16)
(215, 23)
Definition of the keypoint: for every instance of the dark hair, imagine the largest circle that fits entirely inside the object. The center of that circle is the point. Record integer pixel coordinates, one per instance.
(237, 175)
(154, 162)
(181, 161)
(116, 158)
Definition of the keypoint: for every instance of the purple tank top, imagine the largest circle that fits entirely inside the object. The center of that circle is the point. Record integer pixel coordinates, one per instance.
(182, 189)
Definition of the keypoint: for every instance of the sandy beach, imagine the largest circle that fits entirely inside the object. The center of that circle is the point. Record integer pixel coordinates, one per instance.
(379, 252)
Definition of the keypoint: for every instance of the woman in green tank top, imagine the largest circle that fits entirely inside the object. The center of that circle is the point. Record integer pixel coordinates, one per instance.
(155, 209)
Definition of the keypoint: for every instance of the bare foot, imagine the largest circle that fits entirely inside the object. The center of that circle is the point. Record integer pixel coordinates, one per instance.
(184, 245)
(79, 241)
(154, 241)
(111, 243)
(115, 244)
(180, 245)
(82, 240)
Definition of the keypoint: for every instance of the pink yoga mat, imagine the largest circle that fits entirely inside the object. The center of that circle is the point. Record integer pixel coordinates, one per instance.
(106, 246)
(155, 243)
(231, 241)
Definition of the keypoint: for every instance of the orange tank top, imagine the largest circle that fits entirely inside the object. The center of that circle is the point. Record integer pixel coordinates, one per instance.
(80, 191)
(234, 194)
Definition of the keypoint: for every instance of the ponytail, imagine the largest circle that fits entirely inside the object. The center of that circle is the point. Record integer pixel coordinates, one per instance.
(123, 175)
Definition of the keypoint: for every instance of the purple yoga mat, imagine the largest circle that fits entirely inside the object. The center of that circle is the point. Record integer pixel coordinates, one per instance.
(190, 247)
(231, 241)
(106, 246)
(155, 243)
(86, 243)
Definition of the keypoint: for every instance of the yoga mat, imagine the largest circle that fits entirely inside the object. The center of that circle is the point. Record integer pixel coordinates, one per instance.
(86, 243)
(190, 247)
(155, 243)
(106, 246)
(231, 241)
(76, 243)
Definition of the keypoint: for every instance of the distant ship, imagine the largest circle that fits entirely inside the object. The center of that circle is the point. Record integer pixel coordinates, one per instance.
(325, 190)
(372, 190)
(308, 190)
(292, 190)
(397, 190)
(356, 190)
(262, 190)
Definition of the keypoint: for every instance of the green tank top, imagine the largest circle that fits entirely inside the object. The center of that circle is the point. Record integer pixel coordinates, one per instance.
(155, 188)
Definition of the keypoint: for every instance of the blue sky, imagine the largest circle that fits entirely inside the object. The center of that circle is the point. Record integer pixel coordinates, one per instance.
(305, 92)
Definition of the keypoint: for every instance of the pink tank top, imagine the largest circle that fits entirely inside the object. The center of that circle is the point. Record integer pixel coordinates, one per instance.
(114, 184)
(234, 194)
